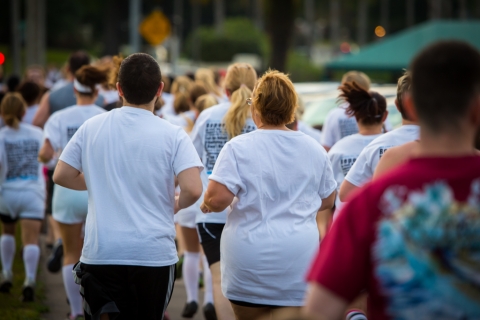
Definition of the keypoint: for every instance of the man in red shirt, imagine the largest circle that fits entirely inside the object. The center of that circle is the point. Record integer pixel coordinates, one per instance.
(411, 238)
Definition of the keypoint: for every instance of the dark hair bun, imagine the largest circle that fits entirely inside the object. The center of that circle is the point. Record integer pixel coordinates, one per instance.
(368, 107)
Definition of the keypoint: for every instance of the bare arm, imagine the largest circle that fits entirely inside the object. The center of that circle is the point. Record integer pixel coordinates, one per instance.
(43, 111)
(322, 304)
(346, 189)
(217, 198)
(67, 176)
(190, 188)
(46, 153)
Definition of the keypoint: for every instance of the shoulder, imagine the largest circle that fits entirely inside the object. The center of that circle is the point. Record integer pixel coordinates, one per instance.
(33, 130)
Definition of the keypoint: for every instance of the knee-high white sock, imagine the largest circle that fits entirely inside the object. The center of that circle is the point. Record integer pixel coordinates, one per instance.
(207, 280)
(190, 272)
(7, 252)
(73, 291)
(31, 255)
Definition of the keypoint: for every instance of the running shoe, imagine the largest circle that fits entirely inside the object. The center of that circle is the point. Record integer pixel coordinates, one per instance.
(54, 263)
(28, 291)
(190, 309)
(78, 317)
(209, 312)
(6, 282)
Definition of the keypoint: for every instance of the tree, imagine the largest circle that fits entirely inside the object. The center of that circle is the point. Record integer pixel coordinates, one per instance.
(362, 22)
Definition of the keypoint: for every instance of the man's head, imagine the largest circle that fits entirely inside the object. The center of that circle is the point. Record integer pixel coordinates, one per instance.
(139, 79)
(403, 87)
(446, 86)
(77, 60)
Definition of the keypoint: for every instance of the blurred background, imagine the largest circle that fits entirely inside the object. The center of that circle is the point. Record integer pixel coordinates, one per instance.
(315, 41)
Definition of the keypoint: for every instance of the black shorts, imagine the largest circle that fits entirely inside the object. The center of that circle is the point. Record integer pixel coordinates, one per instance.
(210, 235)
(135, 292)
(6, 218)
(252, 305)
(50, 184)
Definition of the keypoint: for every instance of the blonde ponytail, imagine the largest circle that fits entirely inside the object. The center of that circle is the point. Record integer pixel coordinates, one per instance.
(239, 81)
(13, 108)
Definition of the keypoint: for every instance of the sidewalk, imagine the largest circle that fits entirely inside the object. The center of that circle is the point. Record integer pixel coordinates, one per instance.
(56, 299)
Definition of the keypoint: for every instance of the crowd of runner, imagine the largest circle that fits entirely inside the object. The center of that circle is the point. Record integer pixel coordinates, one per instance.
(139, 177)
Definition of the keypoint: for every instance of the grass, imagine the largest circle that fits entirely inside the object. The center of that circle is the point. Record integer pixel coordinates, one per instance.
(11, 306)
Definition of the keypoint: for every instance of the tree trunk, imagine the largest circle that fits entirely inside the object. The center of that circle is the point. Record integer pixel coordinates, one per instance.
(35, 41)
(196, 20)
(335, 25)
(385, 14)
(310, 17)
(281, 15)
(258, 14)
(362, 19)
(135, 10)
(219, 15)
(15, 14)
(111, 31)
(410, 13)
(435, 9)
(462, 10)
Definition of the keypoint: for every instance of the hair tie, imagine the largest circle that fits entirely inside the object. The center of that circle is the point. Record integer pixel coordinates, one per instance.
(80, 87)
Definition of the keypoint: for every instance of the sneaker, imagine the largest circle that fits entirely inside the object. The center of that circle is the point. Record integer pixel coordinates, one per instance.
(6, 282)
(28, 291)
(78, 317)
(190, 309)
(209, 312)
(54, 263)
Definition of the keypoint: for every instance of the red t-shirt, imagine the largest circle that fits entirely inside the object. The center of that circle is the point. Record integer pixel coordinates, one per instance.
(412, 240)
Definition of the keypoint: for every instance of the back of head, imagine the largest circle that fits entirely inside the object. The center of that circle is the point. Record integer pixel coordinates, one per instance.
(204, 102)
(275, 98)
(403, 86)
(30, 92)
(113, 72)
(368, 107)
(197, 90)
(139, 78)
(12, 83)
(12, 109)
(181, 84)
(181, 88)
(207, 78)
(77, 60)
(360, 78)
(87, 78)
(445, 80)
(239, 81)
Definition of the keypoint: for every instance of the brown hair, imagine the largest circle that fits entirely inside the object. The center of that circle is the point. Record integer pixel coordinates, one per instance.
(275, 98)
(196, 91)
(239, 81)
(113, 72)
(367, 107)
(204, 102)
(12, 109)
(362, 80)
(30, 92)
(181, 93)
(207, 78)
(403, 86)
(90, 76)
(77, 60)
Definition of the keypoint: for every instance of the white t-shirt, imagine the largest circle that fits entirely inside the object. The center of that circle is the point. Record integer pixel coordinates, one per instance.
(167, 108)
(62, 125)
(209, 137)
(30, 114)
(362, 170)
(344, 154)
(271, 235)
(130, 158)
(339, 125)
(309, 131)
(19, 167)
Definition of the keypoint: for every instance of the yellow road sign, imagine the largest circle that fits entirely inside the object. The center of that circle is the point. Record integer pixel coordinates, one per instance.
(155, 28)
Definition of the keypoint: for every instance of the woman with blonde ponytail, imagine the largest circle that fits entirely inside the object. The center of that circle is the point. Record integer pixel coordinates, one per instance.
(22, 195)
(215, 126)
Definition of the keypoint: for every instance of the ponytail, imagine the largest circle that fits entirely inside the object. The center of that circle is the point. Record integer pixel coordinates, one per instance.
(238, 112)
(181, 102)
(12, 109)
(367, 107)
(87, 78)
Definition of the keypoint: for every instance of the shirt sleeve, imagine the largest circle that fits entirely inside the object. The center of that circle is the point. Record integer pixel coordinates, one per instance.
(361, 172)
(51, 131)
(185, 155)
(342, 264)
(327, 181)
(72, 154)
(225, 170)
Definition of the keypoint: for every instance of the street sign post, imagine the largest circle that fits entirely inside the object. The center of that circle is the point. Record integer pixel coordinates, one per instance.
(155, 28)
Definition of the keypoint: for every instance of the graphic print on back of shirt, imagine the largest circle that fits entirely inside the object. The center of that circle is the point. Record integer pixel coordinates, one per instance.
(382, 150)
(429, 244)
(347, 162)
(22, 161)
(70, 132)
(215, 139)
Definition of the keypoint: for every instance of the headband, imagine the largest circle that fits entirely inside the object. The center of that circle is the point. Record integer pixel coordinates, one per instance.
(80, 87)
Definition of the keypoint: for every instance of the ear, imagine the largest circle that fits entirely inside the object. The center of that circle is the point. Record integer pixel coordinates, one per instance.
(385, 115)
(160, 89)
(119, 89)
(475, 112)
(409, 107)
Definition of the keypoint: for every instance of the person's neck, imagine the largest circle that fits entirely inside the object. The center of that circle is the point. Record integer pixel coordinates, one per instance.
(406, 122)
(69, 77)
(446, 144)
(85, 101)
(271, 127)
(148, 107)
(370, 130)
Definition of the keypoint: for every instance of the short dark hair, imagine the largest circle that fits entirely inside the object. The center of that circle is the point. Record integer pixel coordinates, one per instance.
(30, 92)
(77, 60)
(445, 79)
(139, 78)
(403, 86)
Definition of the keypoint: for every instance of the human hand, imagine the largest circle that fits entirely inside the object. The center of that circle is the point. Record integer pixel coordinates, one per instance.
(204, 208)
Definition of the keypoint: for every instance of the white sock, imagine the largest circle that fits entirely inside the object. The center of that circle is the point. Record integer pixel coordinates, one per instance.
(73, 291)
(31, 255)
(7, 252)
(191, 273)
(356, 315)
(207, 281)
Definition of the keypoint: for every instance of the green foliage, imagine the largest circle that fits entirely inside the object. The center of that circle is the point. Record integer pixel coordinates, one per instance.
(301, 69)
(239, 36)
(11, 307)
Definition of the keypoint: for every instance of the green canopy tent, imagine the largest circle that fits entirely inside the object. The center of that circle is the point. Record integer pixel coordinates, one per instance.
(394, 53)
